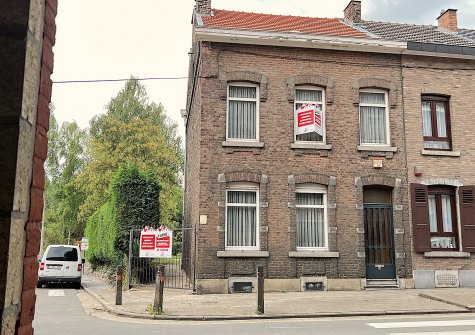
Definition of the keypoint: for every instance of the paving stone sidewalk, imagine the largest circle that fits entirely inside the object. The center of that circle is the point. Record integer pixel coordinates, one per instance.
(179, 304)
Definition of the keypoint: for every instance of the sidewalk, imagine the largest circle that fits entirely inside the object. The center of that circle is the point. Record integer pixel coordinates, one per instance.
(182, 305)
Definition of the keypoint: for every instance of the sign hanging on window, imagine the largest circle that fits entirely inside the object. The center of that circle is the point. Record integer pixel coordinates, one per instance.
(156, 243)
(308, 118)
(84, 243)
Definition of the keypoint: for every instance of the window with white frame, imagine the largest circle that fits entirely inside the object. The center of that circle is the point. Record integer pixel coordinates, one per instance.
(311, 216)
(374, 118)
(243, 112)
(242, 218)
(313, 96)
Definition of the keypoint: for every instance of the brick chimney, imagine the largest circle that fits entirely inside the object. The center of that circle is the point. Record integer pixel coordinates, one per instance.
(203, 7)
(353, 11)
(448, 20)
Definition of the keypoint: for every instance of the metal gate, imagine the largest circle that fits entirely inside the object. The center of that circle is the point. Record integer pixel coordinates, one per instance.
(379, 242)
(143, 271)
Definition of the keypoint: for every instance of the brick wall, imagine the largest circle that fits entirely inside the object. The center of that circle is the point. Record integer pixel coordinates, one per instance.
(448, 20)
(203, 6)
(454, 78)
(344, 73)
(352, 11)
(33, 226)
(192, 171)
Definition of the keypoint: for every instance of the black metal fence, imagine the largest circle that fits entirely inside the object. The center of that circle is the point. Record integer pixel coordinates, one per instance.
(143, 271)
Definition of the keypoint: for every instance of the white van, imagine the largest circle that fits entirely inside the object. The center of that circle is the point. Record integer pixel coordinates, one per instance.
(61, 264)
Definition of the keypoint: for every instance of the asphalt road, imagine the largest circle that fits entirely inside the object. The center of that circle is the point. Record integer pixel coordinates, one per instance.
(66, 311)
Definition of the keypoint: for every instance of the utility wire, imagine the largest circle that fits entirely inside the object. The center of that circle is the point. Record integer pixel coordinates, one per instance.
(114, 80)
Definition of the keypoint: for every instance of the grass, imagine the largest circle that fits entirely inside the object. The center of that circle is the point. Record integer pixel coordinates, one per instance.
(153, 311)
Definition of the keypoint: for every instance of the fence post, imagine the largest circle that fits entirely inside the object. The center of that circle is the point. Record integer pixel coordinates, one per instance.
(129, 268)
(260, 290)
(118, 294)
(194, 257)
(159, 283)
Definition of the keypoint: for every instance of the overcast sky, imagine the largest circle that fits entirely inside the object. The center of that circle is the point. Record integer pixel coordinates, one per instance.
(112, 39)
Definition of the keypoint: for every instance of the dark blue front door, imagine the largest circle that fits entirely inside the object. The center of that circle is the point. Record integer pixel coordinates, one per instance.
(379, 242)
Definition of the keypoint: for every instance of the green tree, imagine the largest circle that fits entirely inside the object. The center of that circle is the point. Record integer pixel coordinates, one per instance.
(62, 197)
(133, 130)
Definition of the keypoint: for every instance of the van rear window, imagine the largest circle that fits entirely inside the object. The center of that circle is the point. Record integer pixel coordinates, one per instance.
(62, 254)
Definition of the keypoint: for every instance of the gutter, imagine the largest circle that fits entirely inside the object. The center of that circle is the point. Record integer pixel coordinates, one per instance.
(327, 42)
(299, 40)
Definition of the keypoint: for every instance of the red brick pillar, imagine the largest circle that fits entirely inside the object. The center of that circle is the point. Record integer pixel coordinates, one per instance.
(33, 227)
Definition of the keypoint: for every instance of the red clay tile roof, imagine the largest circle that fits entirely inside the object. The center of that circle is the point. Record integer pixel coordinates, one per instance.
(225, 19)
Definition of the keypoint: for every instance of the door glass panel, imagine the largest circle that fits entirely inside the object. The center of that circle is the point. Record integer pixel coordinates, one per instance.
(373, 195)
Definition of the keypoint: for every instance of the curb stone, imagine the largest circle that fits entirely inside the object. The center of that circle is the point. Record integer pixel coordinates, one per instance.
(114, 311)
(445, 301)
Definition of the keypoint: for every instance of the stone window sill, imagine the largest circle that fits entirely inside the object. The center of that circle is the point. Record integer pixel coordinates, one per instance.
(317, 146)
(242, 144)
(440, 153)
(314, 254)
(382, 148)
(446, 254)
(243, 253)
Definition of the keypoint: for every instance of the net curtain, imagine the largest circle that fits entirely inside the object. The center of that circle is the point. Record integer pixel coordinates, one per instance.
(241, 217)
(242, 114)
(373, 118)
(310, 220)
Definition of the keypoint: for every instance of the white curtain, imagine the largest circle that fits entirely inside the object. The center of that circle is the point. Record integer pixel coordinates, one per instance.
(310, 220)
(432, 213)
(441, 124)
(241, 218)
(426, 119)
(312, 97)
(436, 145)
(446, 214)
(308, 95)
(441, 119)
(372, 118)
(242, 114)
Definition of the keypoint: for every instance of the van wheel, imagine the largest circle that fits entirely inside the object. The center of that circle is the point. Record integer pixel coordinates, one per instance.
(77, 286)
(39, 285)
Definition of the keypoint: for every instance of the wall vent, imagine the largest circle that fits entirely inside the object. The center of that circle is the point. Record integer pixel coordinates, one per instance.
(242, 287)
(446, 278)
(314, 286)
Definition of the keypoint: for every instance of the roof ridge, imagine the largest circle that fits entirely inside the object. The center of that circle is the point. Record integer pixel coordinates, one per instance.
(415, 33)
(359, 27)
(281, 15)
(405, 24)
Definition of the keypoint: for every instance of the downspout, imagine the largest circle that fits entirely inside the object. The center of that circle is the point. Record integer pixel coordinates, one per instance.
(401, 77)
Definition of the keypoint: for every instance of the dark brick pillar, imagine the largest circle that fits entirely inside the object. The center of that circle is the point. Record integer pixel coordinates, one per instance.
(33, 234)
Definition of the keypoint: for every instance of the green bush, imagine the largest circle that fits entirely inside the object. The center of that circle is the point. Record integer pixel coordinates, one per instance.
(135, 195)
(133, 203)
(101, 231)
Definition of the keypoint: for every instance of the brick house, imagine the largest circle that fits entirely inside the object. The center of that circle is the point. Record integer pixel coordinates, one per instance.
(327, 207)
(439, 70)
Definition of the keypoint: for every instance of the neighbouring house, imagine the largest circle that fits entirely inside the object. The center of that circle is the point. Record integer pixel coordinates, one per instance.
(325, 206)
(438, 72)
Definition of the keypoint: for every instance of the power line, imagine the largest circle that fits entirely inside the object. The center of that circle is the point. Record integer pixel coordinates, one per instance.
(115, 80)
